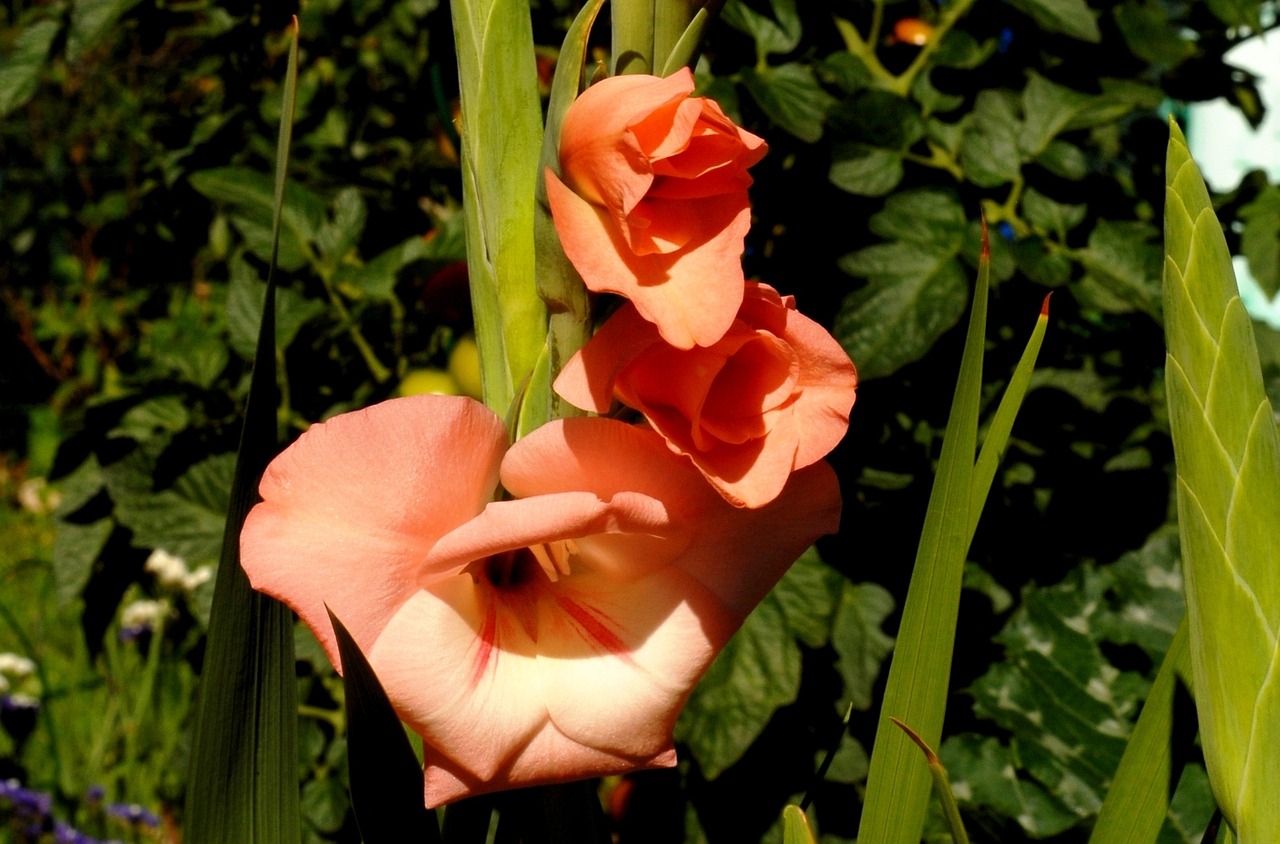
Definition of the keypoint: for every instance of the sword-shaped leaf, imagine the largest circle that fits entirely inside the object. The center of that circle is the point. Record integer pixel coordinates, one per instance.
(1228, 462)
(386, 779)
(243, 781)
(1138, 800)
(898, 784)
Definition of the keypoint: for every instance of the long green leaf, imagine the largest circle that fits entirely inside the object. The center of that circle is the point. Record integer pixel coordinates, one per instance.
(243, 780)
(386, 780)
(898, 784)
(501, 139)
(1228, 459)
(997, 438)
(1138, 800)
(923, 665)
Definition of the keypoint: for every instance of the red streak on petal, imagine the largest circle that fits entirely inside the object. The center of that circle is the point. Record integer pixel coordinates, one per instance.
(488, 632)
(594, 627)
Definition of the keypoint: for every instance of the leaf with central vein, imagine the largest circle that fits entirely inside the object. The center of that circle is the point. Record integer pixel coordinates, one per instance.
(1228, 461)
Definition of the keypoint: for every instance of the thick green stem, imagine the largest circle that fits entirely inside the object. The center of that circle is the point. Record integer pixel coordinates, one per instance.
(632, 36)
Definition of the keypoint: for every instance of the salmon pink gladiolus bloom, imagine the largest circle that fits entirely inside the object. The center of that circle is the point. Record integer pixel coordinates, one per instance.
(651, 201)
(550, 635)
(772, 396)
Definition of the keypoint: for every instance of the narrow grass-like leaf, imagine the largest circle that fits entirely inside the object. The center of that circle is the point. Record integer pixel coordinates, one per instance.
(386, 780)
(941, 785)
(1138, 800)
(501, 139)
(993, 444)
(898, 785)
(1228, 463)
(243, 779)
(685, 50)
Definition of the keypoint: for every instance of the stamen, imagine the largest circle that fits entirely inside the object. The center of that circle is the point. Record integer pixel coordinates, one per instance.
(542, 555)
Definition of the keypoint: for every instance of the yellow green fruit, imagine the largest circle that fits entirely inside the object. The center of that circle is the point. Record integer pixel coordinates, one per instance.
(464, 366)
(428, 382)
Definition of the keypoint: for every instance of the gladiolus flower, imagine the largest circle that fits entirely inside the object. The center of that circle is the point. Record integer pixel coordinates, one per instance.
(653, 203)
(772, 396)
(544, 637)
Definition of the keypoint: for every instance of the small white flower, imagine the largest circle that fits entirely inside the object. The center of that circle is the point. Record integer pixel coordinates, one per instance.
(4, 684)
(197, 578)
(16, 666)
(36, 496)
(169, 569)
(144, 614)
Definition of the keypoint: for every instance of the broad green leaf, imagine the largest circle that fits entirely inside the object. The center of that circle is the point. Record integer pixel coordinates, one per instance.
(501, 142)
(1054, 217)
(759, 670)
(912, 299)
(76, 548)
(917, 288)
(1047, 108)
(780, 34)
(807, 595)
(1118, 98)
(1063, 159)
(859, 639)
(1122, 267)
(376, 279)
(989, 153)
(898, 784)
(20, 69)
(242, 782)
(244, 310)
(1236, 13)
(1138, 800)
(1041, 262)
(250, 195)
(1150, 35)
(1260, 240)
(145, 419)
(187, 519)
(338, 235)
(864, 170)
(90, 21)
(984, 775)
(791, 96)
(1070, 17)
(1228, 461)
(1064, 705)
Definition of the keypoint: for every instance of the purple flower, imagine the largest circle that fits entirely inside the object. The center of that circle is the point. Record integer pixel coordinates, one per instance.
(133, 813)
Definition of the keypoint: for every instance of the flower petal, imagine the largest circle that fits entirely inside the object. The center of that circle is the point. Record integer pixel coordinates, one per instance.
(459, 665)
(639, 646)
(691, 294)
(548, 751)
(351, 510)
